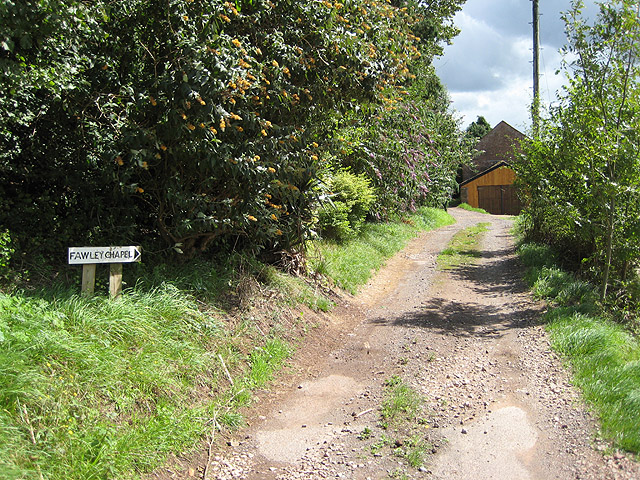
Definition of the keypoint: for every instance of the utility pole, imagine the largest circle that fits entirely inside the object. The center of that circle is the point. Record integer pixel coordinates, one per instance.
(535, 108)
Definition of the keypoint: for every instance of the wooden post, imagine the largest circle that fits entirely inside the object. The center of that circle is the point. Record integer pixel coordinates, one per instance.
(88, 279)
(88, 257)
(115, 280)
(535, 107)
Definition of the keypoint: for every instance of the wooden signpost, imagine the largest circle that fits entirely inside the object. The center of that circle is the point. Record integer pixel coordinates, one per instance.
(89, 257)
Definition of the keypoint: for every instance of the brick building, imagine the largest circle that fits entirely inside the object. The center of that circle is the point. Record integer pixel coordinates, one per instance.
(495, 146)
(488, 182)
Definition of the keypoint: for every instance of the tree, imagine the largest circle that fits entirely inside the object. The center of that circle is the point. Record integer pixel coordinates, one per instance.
(479, 128)
(410, 147)
(189, 125)
(583, 173)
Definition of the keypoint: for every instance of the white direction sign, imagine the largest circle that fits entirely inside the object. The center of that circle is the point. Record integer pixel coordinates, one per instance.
(87, 255)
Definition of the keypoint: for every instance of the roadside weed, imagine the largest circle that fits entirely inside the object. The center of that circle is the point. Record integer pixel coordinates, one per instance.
(231, 420)
(534, 255)
(401, 401)
(563, 289)
(606, 365)
(73, 370)
(399, 474)
(365, 434)
(401, 425)
(384, 441)
(416, 450)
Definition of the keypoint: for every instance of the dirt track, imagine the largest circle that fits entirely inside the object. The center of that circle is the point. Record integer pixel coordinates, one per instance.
(498, 403)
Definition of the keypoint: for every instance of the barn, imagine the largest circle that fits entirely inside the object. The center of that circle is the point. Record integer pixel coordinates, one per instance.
(492, 190)
(488, 182)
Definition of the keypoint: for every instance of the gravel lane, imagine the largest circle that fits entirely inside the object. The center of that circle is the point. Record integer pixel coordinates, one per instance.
(498, 403)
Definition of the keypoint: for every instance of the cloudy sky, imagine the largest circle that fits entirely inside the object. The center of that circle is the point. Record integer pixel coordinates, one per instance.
(488, 70)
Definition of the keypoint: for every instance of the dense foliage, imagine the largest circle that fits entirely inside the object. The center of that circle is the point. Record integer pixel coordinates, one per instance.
(582, 170)
(479, 128)
(410, 146)
(349, 198)
(184, 125)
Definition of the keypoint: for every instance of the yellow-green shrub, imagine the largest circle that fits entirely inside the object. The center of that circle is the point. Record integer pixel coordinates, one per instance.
(350, 197)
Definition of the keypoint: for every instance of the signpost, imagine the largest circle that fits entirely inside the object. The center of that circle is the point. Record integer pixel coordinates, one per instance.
(88, 257)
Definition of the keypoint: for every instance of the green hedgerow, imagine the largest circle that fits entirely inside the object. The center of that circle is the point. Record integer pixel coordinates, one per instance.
(343, 214)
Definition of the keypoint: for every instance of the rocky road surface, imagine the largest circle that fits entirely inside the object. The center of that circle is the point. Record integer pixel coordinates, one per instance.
(498, 403)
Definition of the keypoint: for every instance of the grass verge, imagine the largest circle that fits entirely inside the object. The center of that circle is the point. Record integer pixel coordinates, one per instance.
(604, 356)
(466, 206)
(93, 388)
(350, 264)
(462, 248)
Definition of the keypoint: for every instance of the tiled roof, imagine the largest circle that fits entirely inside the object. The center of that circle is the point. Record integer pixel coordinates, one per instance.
(496, 146)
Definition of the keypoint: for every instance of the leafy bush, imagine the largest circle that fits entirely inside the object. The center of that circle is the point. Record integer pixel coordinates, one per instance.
(410, 146)
(346, 208)
(195, 125)
(6, 251)
(333, 221)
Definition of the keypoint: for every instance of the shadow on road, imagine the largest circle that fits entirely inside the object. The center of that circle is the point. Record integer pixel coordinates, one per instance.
(463, 318)
(497, 273)
(493, 307)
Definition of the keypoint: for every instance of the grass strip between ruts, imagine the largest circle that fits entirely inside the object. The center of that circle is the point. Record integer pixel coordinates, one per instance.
(463, 247)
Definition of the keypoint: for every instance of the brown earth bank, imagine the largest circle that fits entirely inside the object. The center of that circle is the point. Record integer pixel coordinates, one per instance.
(498, 403)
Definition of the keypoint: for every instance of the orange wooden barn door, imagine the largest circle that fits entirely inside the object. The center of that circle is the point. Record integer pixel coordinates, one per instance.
(499, 199)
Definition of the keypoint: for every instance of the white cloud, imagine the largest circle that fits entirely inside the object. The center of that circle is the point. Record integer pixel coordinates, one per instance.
(510, 104)
(478, 58)
(488, 69)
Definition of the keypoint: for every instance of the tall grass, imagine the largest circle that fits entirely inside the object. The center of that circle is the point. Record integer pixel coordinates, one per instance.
(95, 388)
(466, 206)
(82, 381)
(351, 264)
(605, 356)
(296, 289)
